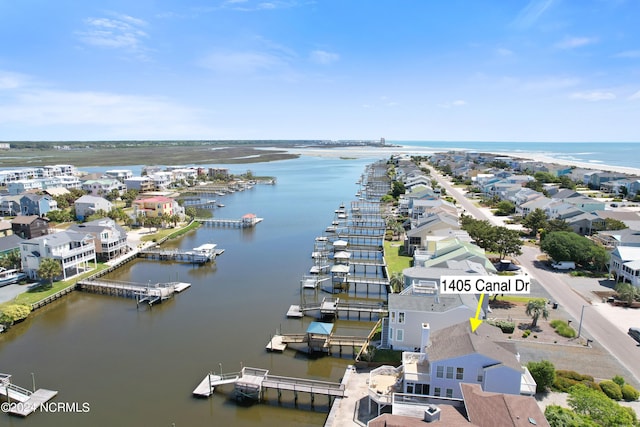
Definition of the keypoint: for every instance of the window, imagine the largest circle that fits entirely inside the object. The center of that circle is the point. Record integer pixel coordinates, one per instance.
(450, 372)
(480, 375)
(422, 389)
(401, 317)
(449, 392)
(399, 334)
(440, 372)
(410, 388)
(391, 333)
(436, 391)
(459, 373)
(393, 317)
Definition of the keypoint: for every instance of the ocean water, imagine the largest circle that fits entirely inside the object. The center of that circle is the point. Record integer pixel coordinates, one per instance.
(622, 154)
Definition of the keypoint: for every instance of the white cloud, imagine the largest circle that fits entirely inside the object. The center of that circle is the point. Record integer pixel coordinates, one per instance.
(575, 42)
(628, 54)
(323, 57)
(11, 80)
(35, 109)
(453, 104)
(117, 32)
(550, 83)
(530, 14)
(252, 6)
(635, 95)
(243, 62)
(504, 52)
(593, 96)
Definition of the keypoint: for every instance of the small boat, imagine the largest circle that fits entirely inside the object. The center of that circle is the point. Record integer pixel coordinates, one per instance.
(8, 277)
(220, 205)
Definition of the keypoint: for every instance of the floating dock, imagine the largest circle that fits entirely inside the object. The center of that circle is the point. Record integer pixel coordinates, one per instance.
(25, 401)
(200, 255)
(142, 293)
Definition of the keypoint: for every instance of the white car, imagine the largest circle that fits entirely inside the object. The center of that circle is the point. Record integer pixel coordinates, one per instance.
(564, 265)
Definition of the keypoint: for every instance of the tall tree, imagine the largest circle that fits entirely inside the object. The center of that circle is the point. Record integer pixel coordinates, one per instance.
(506, 242)
(597, 406)
(535, 220)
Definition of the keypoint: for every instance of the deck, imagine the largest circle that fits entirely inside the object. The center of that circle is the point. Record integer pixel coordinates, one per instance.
(24, 402)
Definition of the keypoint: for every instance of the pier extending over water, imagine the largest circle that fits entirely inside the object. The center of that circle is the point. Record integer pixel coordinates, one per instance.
(252, 383)
(247, 220)
(23, 402)
(142, 293)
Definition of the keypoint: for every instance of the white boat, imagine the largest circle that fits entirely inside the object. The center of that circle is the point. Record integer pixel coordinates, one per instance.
(7, 277)
(220, 205)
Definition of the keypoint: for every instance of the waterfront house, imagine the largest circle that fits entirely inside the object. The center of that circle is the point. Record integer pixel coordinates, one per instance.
(161, 180)
(419, 303)
(88, 205)
(454, 355)
(75, 251)
(37, 204)
(56, 191)
(597, 179)
(103, 187)
(110, 238)
(417, 237)
(625, 264)
(156, 206)
(30, 226)
(10, 244)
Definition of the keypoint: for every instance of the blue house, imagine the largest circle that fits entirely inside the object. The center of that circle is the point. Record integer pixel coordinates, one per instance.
(35, 204)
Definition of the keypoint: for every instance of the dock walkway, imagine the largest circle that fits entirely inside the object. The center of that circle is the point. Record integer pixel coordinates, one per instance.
(24, 402)
(227, 222)
(143, 293)
(251, 383)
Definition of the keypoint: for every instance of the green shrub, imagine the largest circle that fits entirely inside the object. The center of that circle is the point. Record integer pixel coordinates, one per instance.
(574, 375)
(14, 313)
(563, 384)
(629, 393)
(526, 333)
(562, 328)
(611, 389)
(504, 325)
(543, 373)
(618, 380)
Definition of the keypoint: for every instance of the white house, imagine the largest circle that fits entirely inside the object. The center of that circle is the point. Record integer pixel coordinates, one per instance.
(102, 187)
(625, 264)
(455, 355)
(120, 174)
(110, 238)
(88, 205)
(72, 249)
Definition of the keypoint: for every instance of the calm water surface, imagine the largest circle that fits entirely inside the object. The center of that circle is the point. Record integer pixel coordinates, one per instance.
(138, 367)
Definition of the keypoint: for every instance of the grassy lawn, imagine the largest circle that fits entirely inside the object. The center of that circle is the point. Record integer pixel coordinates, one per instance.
(395, 261)
(391, 357)
(516, 298)
(41, 292)
(170, 232)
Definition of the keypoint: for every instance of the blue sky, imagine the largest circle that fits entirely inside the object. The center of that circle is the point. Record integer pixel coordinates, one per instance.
(473, 70)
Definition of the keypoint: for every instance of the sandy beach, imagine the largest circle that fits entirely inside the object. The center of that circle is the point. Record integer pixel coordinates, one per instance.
(385, 152)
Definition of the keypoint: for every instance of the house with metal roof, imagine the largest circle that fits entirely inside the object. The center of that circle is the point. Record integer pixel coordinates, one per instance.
(625, 264)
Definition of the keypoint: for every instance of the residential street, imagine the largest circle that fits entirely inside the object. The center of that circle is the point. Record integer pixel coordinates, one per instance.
(594, 324)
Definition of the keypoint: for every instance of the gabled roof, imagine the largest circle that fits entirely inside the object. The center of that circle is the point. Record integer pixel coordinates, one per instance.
(458, 340)
(56, 191)
(10, 242)
(155, 199)
(61, 238)
(26, 219)
(487, 409)
(91, 199)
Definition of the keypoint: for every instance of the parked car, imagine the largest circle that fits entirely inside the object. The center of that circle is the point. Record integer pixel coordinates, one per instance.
(563, 265)
(635, 333)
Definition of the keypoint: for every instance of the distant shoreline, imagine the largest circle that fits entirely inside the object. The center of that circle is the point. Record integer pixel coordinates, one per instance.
(382, 152)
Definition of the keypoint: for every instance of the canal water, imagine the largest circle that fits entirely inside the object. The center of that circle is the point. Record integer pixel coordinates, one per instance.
(138, 367)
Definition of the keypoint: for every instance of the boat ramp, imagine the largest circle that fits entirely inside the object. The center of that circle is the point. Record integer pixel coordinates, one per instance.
(23, 402)
(252, 384)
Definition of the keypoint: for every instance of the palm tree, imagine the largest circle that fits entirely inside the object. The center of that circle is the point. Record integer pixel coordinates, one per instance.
(535, 308)
(49, 269)
(396, 281)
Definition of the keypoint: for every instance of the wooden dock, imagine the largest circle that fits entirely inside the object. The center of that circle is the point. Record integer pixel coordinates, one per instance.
(248, 220)
(333, 307)
(200, 255)
(251, 383)
(318, 342)
(142, 293)
(24, 401)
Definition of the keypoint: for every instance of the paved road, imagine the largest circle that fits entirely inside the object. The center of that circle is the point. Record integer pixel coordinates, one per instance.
(594, 325)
